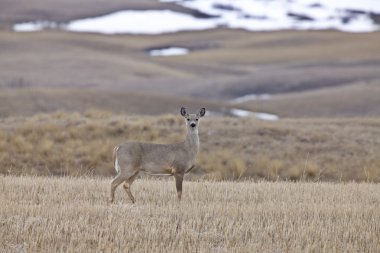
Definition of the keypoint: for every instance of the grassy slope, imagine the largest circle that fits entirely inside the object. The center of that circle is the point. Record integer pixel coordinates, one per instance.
(224, 63)
(66, 214)
(356, 100)
(29, 101)
(230, 63)
(231, 148)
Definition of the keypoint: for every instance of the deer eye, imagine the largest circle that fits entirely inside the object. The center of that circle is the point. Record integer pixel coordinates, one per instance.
(188, 119)
(196, 119)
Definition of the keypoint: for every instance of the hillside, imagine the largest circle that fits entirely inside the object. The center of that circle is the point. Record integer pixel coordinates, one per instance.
(224, 64)
(359, 99)
(29, 101)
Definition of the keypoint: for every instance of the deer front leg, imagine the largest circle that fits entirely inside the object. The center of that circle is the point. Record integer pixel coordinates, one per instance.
(178, 183)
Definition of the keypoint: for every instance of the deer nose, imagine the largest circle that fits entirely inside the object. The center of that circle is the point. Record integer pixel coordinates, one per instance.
(193, 124)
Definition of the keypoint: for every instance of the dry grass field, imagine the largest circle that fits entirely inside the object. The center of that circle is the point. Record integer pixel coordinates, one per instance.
(31, 101)
(357, 99)
(305, 183)
(223, 64)
(47, 214)
(231, 148)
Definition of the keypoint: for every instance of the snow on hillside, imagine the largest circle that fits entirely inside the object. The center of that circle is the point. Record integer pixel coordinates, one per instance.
(261, 15)
(252, 15)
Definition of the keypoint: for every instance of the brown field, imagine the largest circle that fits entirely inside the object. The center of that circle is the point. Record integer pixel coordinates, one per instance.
(300, 68)
(43, 214)
(31, 101)
(357, 99)
(215, 68)
(231, 148)
(304, 64)
(305, 183)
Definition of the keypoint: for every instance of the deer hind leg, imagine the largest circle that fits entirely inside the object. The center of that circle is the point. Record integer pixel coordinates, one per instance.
(115, 183)
(127, 186)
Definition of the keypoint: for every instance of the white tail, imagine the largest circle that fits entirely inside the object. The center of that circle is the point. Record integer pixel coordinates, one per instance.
(116, 162)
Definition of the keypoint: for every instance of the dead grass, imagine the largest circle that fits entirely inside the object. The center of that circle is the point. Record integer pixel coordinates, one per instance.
(72, 215)
(360, 99)
(224, 63)
(231, 148)
(49, 100)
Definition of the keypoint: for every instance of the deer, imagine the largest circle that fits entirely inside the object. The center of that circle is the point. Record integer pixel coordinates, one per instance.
(177, 159)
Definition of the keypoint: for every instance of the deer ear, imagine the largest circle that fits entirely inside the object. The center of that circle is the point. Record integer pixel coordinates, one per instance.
(202, 112)
(183, 111)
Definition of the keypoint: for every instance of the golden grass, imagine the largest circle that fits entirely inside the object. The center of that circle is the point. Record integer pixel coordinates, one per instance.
(42, 214)
(231, 148)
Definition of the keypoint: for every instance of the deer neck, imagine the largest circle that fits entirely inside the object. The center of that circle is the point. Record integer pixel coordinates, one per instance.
(192, 140)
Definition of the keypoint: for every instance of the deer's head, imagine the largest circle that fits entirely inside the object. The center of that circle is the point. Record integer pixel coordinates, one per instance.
(192, 120)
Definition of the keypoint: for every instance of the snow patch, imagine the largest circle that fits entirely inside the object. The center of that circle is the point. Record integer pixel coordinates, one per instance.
(170, 51)
(36, 26)
(258, 15)
(258, 115)
(251, 15)
(266, 116)
(141, 22)
(250, 97)
(241, 113)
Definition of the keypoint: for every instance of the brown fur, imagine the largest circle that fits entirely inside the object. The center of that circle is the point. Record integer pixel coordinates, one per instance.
(176, 159)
